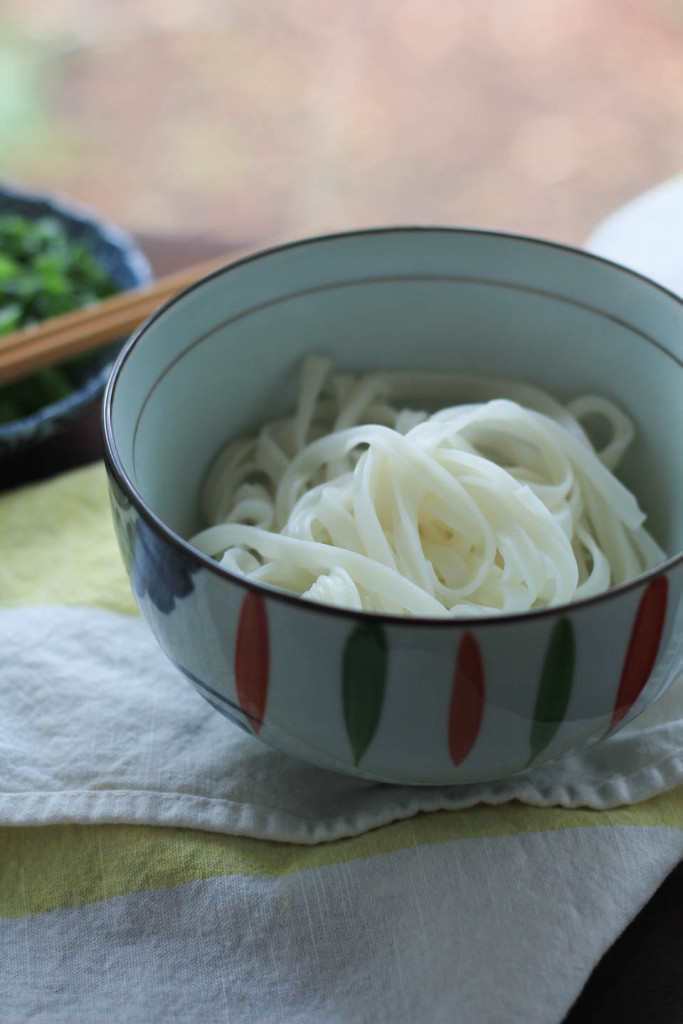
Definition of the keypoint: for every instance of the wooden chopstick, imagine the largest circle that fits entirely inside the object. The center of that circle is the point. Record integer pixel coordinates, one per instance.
(73, 334)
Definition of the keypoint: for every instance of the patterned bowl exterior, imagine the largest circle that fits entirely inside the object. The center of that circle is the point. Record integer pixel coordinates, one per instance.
(118, 253)
(400, 700)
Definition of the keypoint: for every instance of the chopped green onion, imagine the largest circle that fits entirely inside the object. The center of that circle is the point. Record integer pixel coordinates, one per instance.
(43, 273)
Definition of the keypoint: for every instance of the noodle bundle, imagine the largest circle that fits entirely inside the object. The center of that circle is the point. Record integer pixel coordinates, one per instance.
(496, 505)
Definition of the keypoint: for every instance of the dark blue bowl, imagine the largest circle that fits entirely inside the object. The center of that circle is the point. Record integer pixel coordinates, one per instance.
(119, 255)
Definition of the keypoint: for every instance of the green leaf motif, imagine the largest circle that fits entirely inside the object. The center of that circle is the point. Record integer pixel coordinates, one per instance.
(364, 671)
(554, 688)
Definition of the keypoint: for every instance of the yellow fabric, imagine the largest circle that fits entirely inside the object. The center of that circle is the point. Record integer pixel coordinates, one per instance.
(59, 547)
(70, 865)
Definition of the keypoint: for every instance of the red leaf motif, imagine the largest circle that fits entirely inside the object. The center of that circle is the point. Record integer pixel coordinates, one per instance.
(467, 700)
(252, 660)
(646, 636)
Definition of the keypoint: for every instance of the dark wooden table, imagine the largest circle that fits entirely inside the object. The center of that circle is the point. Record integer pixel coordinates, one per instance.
(82, 442)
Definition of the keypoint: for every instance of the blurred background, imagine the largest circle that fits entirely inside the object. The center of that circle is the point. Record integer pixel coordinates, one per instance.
(251, 120)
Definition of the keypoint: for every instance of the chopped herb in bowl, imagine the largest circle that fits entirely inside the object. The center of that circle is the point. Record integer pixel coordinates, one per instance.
(43, 273)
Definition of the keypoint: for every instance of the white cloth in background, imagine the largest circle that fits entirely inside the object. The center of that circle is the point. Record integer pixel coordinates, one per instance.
(646, 234)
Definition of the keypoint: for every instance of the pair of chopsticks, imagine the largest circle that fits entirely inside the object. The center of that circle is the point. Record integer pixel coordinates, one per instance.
(86, 329)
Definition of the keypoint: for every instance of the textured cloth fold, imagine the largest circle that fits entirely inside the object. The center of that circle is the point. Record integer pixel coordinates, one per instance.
(97, 726)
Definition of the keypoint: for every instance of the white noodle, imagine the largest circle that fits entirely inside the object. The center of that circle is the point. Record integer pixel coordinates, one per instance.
(496, 504)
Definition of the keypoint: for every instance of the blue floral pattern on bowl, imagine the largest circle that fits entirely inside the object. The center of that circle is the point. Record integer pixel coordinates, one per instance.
(159, 570)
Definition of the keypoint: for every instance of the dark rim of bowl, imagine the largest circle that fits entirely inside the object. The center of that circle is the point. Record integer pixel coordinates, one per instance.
(119, 474)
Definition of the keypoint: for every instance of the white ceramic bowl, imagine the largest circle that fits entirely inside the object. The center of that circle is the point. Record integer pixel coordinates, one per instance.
(402, 700)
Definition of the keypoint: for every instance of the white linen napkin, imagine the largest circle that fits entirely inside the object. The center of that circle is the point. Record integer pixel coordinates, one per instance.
(96, 726)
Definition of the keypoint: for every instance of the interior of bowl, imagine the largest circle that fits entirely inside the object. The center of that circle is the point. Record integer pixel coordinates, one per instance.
(224, 357)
